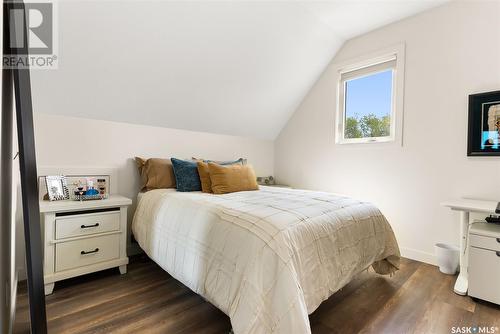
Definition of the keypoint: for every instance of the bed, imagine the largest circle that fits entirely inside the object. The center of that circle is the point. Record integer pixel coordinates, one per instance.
(266, 258)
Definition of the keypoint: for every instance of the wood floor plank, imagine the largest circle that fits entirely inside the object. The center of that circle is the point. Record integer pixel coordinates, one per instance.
(487, 314)
(401, 313)
(418, 299)
(193, 321)
(341, 313)
(89, 294)
(150, 315)
(446, 294)
(129, 304)
(440, 317)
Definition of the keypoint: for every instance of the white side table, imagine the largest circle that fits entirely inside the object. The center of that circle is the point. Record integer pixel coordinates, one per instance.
(83, 237)
(465, 207)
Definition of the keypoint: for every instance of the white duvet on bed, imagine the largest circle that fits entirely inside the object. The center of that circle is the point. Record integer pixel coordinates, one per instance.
(266, 258)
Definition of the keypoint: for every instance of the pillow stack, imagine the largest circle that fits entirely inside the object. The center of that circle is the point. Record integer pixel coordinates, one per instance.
(218, 177)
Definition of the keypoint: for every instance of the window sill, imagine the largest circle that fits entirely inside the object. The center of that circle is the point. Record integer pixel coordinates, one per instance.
(378, 140)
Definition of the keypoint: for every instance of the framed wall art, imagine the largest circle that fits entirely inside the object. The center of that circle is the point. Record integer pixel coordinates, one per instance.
(484, 124)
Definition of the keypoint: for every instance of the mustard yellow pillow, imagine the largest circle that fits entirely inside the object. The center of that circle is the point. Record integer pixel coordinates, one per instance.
(231, 178)
(206, 184)
(155, 173)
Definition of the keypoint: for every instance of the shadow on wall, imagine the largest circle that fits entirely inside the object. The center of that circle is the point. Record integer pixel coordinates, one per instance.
(128, 185)
(128, 179)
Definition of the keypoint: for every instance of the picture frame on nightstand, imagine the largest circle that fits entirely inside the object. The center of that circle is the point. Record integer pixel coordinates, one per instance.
(57, 187)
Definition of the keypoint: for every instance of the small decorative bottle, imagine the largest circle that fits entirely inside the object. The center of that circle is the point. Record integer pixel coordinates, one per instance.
(80, 192)
(90, 188)
(101, 185)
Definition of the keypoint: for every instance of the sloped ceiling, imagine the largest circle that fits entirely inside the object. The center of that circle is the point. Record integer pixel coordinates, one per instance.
(232, 67)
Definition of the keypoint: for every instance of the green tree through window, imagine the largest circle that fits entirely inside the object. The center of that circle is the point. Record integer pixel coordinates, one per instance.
(367, 105)
(367, 126)
(352, 129)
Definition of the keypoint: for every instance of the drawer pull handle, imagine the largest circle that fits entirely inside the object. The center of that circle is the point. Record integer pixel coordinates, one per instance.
(89, 252)
(498, 240)
(87, 226)
(498, 254)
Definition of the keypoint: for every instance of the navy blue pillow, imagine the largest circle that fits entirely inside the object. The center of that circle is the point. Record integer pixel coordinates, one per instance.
(186, 175)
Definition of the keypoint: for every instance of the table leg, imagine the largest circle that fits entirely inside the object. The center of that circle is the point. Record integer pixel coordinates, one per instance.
(49, 288)
(123, 269)
(462, 283)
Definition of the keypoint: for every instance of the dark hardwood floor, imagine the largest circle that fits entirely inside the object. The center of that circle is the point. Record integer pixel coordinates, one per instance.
(418, 299)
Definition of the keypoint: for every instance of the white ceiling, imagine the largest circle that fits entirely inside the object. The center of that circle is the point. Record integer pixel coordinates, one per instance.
(238, 68)
(351, 18)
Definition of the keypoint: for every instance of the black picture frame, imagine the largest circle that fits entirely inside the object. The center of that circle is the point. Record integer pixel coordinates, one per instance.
(28, 171)
(484, 124)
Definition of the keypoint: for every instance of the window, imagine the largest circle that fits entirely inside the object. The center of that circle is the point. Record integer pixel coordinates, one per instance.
(369, 110)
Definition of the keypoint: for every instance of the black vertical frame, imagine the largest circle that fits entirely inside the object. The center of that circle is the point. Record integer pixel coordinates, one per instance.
(29, 179)
(6, 256)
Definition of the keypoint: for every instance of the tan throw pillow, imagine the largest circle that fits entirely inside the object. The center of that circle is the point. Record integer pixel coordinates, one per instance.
(206, 184)
(155, 173)
(232, 178)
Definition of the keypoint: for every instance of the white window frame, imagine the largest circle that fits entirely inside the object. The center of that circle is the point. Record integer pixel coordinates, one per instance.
(396, 53)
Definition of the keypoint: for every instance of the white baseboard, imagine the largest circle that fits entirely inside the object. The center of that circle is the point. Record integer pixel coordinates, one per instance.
(418, 255)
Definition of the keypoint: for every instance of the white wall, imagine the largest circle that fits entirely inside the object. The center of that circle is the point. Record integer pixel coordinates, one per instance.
(451, 52)
(78, 142)
(67, 141)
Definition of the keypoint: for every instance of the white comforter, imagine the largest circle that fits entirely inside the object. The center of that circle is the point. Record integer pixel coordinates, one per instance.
(266, 258)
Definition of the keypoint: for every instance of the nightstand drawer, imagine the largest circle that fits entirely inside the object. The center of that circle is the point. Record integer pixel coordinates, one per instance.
(85, 224)
(485, 242)
(84, 252)
(484, 274)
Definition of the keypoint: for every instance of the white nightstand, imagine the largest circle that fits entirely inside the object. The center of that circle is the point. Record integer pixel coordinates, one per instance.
(83, 237)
